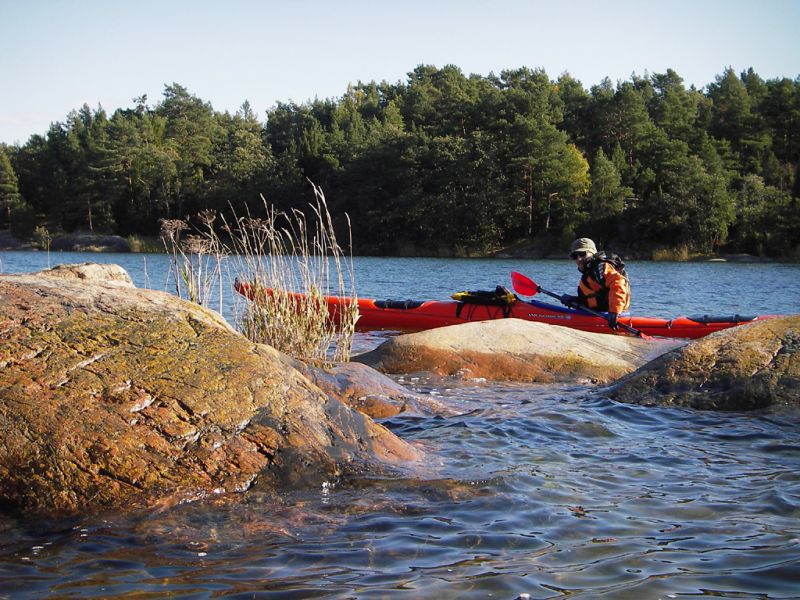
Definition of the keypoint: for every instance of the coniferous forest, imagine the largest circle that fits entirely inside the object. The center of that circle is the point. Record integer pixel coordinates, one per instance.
(442, 164)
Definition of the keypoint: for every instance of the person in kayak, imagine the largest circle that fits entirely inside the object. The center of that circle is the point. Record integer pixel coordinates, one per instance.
(604, 284)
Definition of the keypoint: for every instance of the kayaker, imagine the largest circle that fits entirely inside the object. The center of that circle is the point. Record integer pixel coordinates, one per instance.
(604, 285)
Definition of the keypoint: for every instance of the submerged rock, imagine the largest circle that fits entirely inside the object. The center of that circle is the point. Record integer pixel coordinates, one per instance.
(112, 396)
(516, 350)
(368, 391)
(743, 368)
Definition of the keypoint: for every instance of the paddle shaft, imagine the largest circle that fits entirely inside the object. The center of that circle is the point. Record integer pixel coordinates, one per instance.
(586, 309)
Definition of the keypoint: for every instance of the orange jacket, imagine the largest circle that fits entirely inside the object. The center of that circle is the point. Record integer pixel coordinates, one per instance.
(603, 288)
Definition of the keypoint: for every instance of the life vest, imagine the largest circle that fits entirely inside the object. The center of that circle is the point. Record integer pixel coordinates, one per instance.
(604, 286)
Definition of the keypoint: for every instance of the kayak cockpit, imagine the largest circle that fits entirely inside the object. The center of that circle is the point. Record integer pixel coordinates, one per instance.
(399, 304)
(706, 319)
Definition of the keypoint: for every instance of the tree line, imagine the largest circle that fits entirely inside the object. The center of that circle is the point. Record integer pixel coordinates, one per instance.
(442, 163)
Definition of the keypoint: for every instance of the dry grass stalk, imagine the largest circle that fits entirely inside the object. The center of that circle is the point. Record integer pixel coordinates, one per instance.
(196, 258)
(290, 267)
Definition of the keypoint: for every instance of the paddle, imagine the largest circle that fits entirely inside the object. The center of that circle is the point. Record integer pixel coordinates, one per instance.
(528, 287)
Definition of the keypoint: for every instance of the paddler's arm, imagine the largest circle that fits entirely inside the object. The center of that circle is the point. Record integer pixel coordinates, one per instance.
(619, 295)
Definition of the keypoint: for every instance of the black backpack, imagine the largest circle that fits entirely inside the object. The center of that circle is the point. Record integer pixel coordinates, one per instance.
(615, 260)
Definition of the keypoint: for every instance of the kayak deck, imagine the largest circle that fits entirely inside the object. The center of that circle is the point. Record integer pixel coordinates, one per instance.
(409, 315)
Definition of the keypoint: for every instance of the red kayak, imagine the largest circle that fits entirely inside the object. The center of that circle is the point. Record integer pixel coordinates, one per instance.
(413, 315)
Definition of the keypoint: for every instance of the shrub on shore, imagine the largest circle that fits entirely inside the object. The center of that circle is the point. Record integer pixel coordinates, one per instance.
(144, 244)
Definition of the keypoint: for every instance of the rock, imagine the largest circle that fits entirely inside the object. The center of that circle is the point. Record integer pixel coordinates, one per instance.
(91, 272)
(10, 242)
(515, 350)
(368, 391)
(743, 368)
(90, 242)
(116, 397)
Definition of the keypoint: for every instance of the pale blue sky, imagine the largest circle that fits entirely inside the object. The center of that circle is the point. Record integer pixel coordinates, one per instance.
(56, 55)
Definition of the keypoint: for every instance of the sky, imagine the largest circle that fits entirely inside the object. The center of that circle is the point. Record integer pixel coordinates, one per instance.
(57, 55)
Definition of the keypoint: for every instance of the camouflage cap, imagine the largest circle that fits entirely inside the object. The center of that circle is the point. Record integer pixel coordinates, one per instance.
(582, 245)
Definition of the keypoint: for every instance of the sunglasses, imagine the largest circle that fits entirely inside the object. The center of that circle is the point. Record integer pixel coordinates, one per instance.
(576, 255)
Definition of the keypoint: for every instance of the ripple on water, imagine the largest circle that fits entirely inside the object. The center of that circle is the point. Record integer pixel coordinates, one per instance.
(546, 490)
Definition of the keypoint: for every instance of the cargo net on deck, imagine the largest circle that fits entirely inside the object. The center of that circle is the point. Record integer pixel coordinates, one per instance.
(500, 296)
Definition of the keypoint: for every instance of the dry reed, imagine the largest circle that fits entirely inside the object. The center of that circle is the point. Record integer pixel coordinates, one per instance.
(196, 258)
(290, 265)
(289, 262)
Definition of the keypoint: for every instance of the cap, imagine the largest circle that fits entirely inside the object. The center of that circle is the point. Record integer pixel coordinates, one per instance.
(582, 245)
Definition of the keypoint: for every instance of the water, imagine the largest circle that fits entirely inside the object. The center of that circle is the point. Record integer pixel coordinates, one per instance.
(542, 490)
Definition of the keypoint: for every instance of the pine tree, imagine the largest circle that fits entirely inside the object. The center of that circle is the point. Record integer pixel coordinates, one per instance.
(10, 197)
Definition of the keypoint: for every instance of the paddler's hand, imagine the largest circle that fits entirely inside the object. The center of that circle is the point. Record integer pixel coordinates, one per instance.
(612, 321)
(568, 300)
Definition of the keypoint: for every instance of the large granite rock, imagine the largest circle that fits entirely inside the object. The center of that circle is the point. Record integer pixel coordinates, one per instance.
(516, 350)
(744, 368)
(112, 396)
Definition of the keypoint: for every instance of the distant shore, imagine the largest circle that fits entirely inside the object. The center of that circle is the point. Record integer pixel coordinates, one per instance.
(89, 242)
(81, 242)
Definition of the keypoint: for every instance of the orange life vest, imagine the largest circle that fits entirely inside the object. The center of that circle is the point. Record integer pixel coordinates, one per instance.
(602, 287)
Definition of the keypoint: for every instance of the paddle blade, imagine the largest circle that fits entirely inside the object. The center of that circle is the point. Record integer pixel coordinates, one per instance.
(640, 334)
(524, 285)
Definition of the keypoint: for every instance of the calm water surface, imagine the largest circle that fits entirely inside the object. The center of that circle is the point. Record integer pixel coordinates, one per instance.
(542, 490)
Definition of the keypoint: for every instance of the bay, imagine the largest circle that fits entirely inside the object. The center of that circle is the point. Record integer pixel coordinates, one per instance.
(542, 490)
